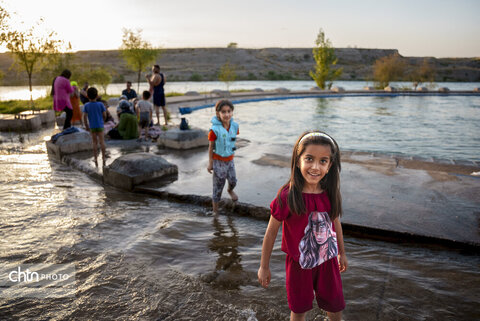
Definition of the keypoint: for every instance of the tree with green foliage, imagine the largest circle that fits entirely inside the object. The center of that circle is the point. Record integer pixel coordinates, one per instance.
(100, 77)
(137, 53)
(424, 73)
(387, 69)
(4, 16)
(325, 60)
(227, 74)
(56, 63)
(31, 50)
(232, 45)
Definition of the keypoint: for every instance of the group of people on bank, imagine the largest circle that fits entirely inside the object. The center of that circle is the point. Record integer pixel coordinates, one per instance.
(134, 114)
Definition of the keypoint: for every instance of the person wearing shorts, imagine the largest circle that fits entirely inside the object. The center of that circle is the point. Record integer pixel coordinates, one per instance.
(94, 113)
(156, 81)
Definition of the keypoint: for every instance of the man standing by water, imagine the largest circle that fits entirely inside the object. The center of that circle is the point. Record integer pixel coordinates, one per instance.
(156, 82)
(129, 92)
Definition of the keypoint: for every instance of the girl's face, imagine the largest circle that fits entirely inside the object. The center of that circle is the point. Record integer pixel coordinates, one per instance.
(314, 164)
(225, 114)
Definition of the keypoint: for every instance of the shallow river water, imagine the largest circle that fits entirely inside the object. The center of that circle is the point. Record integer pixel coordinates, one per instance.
(137, 257)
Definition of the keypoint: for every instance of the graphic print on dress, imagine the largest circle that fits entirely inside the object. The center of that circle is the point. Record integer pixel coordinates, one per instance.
(319, 243)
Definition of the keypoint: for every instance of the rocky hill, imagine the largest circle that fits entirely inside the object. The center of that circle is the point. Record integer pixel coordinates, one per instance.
(199, 64)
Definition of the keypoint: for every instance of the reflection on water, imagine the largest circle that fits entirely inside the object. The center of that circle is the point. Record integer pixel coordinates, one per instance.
(322, 106)
(383, 111)
(225, 243)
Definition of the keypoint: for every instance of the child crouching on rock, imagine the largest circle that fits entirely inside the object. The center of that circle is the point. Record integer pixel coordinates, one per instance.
(222, 138)
(94, 113)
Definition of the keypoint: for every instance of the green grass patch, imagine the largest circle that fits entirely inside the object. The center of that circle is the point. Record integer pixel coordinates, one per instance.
(17, 106)
(173, 94)
(44, 103)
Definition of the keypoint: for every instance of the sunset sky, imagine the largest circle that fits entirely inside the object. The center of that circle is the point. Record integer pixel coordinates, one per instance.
(440, 28)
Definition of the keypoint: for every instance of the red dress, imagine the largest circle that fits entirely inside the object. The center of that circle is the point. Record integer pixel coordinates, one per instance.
(324, 275)
(75, 101)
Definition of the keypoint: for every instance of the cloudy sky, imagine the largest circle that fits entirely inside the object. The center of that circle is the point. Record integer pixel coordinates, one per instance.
(441, 28)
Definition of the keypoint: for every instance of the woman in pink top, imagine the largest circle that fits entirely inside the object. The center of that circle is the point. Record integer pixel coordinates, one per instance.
(61, 91)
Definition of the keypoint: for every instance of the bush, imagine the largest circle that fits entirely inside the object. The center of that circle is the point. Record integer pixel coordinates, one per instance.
(272, 75)
(387, 69)
(195, 77)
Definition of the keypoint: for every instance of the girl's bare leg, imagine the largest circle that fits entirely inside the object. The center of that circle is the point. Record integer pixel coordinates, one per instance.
(335, 316)
(215, 207)
(297, 316)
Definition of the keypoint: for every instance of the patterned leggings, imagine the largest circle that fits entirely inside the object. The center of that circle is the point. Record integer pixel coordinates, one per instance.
(223, 171)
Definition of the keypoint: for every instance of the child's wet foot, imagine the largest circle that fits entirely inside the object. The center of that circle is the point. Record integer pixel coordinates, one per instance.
(233, 195)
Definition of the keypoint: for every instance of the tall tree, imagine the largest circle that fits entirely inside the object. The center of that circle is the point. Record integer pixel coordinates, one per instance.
(31, 51)
(227, 74)
(101, 77)
(325, 60)
(4, 16)
(137, 53)
(387, 69)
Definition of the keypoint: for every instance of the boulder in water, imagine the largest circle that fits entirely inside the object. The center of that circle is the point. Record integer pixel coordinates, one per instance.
(130, 170)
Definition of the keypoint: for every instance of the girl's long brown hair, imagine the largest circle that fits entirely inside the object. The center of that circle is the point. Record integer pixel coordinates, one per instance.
(330, 183)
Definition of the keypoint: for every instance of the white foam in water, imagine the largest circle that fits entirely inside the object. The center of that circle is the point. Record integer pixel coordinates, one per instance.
(250, 314)
(475, 174)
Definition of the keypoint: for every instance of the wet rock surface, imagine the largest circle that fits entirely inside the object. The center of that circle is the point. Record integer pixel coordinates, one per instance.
(176, 138)
(70, 144)
(133, 169)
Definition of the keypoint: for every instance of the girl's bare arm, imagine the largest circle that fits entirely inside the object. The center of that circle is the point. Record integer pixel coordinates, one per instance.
(264, 274)
(342, 257)
(210, 156)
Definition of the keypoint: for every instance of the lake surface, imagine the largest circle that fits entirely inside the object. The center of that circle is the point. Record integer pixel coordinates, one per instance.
(434, 128)
(22, 92)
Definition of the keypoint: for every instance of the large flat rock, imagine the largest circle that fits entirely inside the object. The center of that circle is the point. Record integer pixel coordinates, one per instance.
(24, 123)
(130, 170)
(183, 139)
(69, 144)
(47, 117)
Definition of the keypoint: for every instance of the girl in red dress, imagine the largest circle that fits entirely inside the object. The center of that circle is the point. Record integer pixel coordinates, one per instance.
(309, 207)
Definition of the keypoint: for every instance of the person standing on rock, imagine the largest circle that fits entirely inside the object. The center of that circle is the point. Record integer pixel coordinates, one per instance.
(221, 150)
(94, 114)
(61, 90)
(156, 81)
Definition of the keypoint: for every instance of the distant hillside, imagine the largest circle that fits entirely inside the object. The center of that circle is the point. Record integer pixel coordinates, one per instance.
(256, 64)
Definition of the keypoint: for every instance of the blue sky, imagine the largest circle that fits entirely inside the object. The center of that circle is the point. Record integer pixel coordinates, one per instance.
(439, 28)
